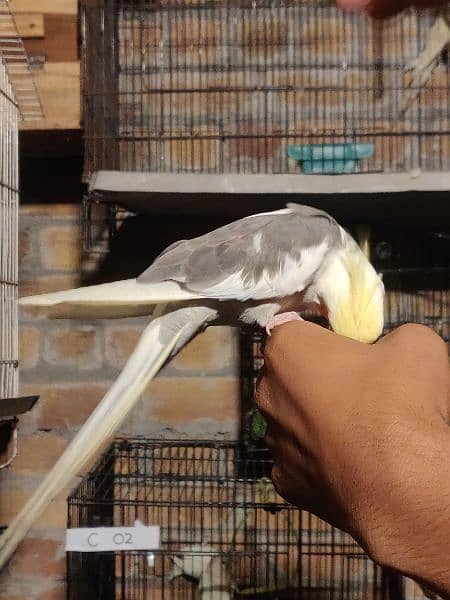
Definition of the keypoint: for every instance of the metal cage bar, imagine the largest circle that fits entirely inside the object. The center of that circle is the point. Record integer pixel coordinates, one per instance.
(9, 192)
(16, 62)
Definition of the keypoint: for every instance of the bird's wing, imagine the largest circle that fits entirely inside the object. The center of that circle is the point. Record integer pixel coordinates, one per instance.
(257, 257)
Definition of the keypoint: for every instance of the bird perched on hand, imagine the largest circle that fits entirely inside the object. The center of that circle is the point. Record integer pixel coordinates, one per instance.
(261, 270)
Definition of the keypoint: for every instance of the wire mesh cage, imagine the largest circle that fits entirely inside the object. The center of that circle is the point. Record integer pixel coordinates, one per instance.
(223, 527)
(248, 86)
(9, 192)
(224, 531)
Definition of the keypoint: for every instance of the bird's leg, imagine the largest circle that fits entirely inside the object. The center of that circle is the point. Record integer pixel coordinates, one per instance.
(280, 319)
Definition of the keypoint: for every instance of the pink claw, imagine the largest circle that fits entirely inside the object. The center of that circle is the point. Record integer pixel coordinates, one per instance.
(280, 319)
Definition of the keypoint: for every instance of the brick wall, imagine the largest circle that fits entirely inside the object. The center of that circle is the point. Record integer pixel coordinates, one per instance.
(71, 364)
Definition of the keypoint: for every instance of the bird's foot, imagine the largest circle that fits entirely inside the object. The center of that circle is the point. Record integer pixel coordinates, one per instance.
(280, 319)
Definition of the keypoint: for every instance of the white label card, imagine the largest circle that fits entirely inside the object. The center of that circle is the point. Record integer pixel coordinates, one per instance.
(100, 539)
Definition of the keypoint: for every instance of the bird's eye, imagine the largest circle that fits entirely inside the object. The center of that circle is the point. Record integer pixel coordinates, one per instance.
(383, 250)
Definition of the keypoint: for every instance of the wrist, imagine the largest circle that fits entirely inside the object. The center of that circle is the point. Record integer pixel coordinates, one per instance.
(407, 528)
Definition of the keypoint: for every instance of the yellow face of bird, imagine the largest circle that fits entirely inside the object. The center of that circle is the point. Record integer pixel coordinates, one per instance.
(355, 308)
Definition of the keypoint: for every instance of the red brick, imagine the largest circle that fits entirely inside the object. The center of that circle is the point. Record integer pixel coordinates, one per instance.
(29, 286)
(68, 211)
(55, 515)
(25, 245)
(192, 33)
(16, 588)
(56, 593)
(65, 405)
(29, 342)
(181, 399)
(195, 153)
(39, 557)
(213, 350)
(16, 495)
(254, 147)
(120, 340)
(12, 500)
(37, 453)
(61, 247)
(75, 346)
(252, 33)
(323, 37)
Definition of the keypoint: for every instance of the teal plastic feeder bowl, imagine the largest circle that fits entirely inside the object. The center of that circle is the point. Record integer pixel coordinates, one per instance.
(334, 159)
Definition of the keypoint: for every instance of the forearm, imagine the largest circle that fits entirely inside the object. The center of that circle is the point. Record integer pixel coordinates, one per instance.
(413, 534)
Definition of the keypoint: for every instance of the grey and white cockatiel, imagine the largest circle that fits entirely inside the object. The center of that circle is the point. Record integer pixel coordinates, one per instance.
(247, 272)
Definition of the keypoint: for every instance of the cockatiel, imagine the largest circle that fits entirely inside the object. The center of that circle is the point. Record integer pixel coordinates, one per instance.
(248, 272)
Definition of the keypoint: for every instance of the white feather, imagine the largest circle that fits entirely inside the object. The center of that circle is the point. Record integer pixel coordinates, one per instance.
(294, 276)
(125, 298)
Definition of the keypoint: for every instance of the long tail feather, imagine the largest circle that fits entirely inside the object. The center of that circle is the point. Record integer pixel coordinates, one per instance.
(145, 362)
(126, 298)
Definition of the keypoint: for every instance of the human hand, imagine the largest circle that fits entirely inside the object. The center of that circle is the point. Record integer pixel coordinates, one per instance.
(359, 435)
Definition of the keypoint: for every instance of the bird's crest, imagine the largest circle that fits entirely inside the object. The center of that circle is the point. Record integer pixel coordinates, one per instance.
(358, 311)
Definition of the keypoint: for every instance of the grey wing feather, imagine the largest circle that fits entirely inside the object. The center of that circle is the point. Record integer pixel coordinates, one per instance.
(252, 246)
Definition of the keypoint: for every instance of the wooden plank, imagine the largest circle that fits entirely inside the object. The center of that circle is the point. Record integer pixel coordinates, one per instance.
(65, 7)
(58, 86)
(60, 43)
(30, 25)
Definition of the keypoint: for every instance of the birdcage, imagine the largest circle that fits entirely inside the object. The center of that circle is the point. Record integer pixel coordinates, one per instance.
(248, 86)
(237, 105)
(18, 100)
(9, 202)
(224, 532)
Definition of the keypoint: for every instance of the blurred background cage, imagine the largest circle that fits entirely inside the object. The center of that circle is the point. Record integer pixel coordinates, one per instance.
(214, 501)
(177, 86)
(19, 101)
(9, 206)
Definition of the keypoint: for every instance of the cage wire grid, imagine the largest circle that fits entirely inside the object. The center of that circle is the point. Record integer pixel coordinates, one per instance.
(226, 86)
(9, 191)
(212, 507)
(17, 66)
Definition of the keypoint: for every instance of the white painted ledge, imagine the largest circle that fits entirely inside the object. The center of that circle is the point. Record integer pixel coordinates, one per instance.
(125, 182)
